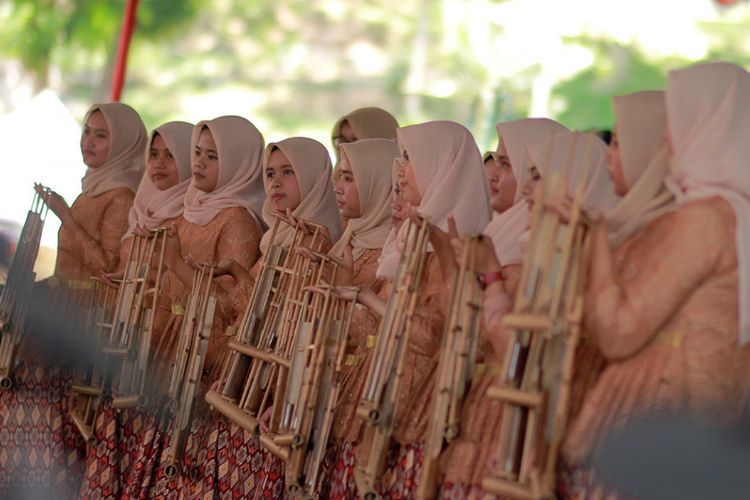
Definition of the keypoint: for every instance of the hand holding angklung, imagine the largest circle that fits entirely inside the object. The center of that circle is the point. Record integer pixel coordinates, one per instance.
(172, 249)
(55, 202)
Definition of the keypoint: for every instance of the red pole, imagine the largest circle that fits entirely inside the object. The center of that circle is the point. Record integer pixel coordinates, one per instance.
(126, 33)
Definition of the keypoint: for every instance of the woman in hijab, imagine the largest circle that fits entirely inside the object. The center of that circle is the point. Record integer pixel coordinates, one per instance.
(363, 193)
(298, 188)
(440, 174)
(220, 221)
(49, 461)
(363, 123)
(158, 202)
(674, 330)
(464, 463)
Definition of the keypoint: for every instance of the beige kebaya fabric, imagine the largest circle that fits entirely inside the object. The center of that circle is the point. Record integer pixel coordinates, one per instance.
(518, 136)
(568, 154)
(151, 207)
(127, 138)
(640, 122)
(368, 123)
(240, 148)
(369, 160)
(312, 166)
(450, 176)
(708, 110)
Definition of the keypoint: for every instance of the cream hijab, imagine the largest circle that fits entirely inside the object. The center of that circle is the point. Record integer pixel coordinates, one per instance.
(368, 123)
(240, 184)
(312, 166)
(450, 175)
(552, 158)
(151, 207)
(641, 119)
(367, 158)
(124, 165)
(708, 111)
(519, 136)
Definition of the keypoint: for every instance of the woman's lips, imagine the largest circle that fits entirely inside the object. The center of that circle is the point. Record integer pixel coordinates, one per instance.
(277, 197)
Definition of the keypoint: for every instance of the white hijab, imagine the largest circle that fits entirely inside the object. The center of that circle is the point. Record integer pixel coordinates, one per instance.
(151, 207)
(312, 166)
(641, 119)
(450, 176)
(239, 146)
(518, 136)
(369, 159)
(124, 165)
(708, 110)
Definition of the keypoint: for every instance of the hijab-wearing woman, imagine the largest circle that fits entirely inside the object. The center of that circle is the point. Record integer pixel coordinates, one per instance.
(220, 221)
(674, 329)
(465, 462)
(441, 175)
(158, 202)
(297, 180)
(363, 123)
(363, 193)
(48, 461)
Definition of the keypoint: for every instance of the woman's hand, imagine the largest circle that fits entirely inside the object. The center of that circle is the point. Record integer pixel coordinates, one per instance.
(265, 420)
(441, 243)
(55, 202)
(294, 222)
(345, 270)
(486, 257)
(172, 249)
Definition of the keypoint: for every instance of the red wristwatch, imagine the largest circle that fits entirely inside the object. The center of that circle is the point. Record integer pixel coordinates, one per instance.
(487, 279)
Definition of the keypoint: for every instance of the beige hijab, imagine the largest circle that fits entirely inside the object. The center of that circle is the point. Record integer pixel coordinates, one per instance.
(389, 257)
(368, 158)
(151, 207)
(124, 165)
(450, 175)
(708, 110)
(519, 136)
(641, 119)
(552, 158)
(239, 146)
(312, 166)
(368, 123)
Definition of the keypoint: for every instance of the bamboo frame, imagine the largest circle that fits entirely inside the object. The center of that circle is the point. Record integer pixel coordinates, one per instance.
(455, 367)
(16, 294)
(190, 359)
(545, 327)
(379, 401)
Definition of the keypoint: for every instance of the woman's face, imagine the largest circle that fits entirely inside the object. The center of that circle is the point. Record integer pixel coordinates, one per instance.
(501, 180)
(347, 196)
(407, 180)
(399, 208)
(280, 182)
(205, 162)
(346, 135)
(614, 165)
(95, 140)
(161, 167)
(532, 189)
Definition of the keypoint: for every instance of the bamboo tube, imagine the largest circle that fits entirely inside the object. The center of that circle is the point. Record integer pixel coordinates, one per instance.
(279, 451)
(233, 413)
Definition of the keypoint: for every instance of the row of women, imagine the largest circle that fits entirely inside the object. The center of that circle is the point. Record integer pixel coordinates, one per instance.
(667, 297)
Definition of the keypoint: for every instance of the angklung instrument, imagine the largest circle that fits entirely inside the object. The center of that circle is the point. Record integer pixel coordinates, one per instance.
(16, 294)
(379, 401)
(190, 358)
(544, 326)
(458, 353)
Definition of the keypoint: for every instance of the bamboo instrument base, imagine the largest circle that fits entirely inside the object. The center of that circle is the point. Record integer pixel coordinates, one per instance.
(510, 489)
(86, 432)
(233, 412)
(268, 442)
